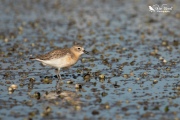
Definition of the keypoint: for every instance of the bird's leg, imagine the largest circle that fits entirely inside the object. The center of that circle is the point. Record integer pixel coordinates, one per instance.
(57, 71)
(59, 78)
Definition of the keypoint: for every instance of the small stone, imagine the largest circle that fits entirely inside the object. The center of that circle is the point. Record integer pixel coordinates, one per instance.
(25, 40)
(6, 40)
(155, 81)
(121, 38)
(104, 94)
(21, 84)
(10, 89)
(168, 69)
(102, 76)
(48, 109)
(164, 43)
(14, 87)
(164, 61)
(129, 90)
(126, 76)
(69, 82)
(37, 95)
(166, 109)
(138, 107)
(95, 112)
(131, 73)
(46, 81)
(80, 37)
(175, 43)
(127, 101)
(8, 82)
(33, 45)
(169, 48)
(87, 77)
(155, 51)
(107, 106)
(160, 58)
(20, 28)
(78, 107)
(83, 60)
(31, 80)
(144, 74)
(78, 86)
(95, 51)
(132, 63)
(123, 49)
(10, 92)
(137, 78)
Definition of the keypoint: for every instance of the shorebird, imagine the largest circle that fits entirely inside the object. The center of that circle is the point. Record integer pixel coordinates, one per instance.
(61, 58)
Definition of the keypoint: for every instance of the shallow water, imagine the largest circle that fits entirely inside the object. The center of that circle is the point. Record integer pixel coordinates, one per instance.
(136, 50)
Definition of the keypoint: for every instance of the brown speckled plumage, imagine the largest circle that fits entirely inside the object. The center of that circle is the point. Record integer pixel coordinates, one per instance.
(60, 52)
(57, 53)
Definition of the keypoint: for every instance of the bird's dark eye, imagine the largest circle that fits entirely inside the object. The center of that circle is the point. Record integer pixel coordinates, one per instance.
(79, 48)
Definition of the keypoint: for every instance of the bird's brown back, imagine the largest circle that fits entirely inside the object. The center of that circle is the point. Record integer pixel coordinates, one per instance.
(57, 53)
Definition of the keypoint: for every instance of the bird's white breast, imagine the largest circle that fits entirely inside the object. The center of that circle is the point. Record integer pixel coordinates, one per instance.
(61, 62)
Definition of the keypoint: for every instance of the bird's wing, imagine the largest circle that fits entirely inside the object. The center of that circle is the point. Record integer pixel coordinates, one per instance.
(57, 53)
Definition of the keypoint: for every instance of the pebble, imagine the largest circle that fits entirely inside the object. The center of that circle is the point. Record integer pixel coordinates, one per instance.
(14, 87)
(78, 86)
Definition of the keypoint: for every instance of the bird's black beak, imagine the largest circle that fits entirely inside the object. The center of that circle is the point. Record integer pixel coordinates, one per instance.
(86, 52)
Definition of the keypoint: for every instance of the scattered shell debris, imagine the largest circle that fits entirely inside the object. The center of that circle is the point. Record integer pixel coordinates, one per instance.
(14, 87)
(78, 86)
(69, 82)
